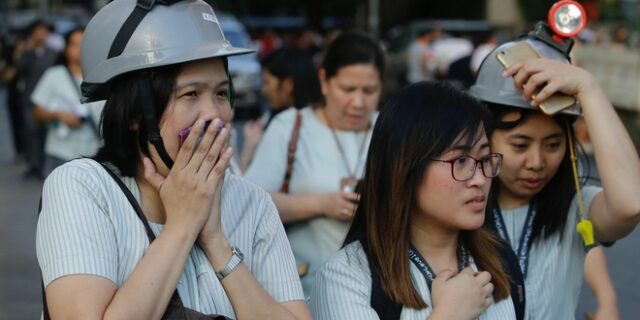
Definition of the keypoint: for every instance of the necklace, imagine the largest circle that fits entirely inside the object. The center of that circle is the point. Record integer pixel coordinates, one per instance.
(349, 183)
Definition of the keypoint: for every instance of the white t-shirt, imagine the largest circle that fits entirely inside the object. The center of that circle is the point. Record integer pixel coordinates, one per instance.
(343, 290)
(55, 92)
(87, 226)
(317, 169)
(556, 264)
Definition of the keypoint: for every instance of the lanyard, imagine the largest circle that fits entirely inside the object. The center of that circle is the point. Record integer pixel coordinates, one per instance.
(352, 174)
(426, 270)
(524, 245)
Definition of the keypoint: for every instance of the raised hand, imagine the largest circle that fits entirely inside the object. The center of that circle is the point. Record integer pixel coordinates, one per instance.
(189, 190)
(544, 77)
(340, 205)
(70, 119)
(462, 296)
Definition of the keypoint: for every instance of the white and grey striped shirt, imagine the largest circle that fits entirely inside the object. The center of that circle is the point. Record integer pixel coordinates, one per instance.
(556, 264)
(87, 226)
(343, 291)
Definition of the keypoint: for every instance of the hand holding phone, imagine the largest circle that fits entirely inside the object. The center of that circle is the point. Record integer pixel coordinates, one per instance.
(523, 51)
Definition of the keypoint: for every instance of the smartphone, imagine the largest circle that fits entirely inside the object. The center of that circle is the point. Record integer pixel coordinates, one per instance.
(184, 133)
(522, 51)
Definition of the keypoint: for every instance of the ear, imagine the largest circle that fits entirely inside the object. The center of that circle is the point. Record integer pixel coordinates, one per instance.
(287, 85)
(322, 76)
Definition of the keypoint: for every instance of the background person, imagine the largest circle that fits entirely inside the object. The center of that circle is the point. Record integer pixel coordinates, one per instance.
(72, 127)
(32, 57)
(289, 79)
(330, 151)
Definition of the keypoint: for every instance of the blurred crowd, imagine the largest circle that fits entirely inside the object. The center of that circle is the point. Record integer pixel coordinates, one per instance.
(25, 55)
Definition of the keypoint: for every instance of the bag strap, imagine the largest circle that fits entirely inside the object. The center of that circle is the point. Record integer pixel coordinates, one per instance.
(386, 308)
(175, 298)
(132, 201)
(291, 153)
(45, 307)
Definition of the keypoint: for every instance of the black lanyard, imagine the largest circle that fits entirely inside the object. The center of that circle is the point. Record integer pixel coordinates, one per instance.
(524, 245)
(426, 270)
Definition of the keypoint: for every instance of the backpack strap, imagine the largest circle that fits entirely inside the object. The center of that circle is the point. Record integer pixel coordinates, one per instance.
(291, 153)
(386, 308)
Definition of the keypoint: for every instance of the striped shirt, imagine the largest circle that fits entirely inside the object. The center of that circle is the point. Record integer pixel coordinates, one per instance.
(556, 264)
(343, 291)
(87, 226)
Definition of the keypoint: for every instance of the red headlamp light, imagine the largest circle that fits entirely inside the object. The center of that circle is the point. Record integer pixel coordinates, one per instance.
(567, 18)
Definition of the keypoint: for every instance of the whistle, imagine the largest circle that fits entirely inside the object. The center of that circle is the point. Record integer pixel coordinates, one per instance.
(585, 229)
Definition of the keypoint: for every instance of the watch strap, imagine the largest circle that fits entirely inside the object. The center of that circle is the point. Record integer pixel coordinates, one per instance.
(236, 259)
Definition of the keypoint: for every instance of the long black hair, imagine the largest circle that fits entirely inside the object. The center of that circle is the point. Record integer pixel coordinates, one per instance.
(554, 200)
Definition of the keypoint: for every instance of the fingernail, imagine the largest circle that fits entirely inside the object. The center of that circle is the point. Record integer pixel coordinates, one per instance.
(504, 74)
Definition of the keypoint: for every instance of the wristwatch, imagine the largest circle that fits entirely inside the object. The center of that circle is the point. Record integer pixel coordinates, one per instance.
(236, 259)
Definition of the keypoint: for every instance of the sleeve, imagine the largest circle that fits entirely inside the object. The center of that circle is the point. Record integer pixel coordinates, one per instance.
(42, 93)
(74, 233)
(270, 160)
(588, 193)
(342, 291)
(273, 261)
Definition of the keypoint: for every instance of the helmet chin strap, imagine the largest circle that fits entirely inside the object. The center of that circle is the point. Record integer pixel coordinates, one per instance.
(151, 120)
(153, 132)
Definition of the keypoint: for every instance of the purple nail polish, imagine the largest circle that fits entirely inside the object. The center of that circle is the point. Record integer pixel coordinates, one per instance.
(184, 133)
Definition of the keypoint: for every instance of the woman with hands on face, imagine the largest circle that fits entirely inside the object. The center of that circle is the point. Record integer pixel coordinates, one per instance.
(537, 204)
(418, 226)
(330, 151)
(152, 227)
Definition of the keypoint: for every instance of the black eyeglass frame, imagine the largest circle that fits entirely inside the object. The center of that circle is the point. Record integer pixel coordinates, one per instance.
(475, 166)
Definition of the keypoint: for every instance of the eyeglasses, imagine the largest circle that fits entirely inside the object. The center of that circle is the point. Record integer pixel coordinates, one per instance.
(464, 168)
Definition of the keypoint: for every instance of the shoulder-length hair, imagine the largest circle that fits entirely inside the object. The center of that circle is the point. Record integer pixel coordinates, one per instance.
(122, 126)
(554, 200)
(296, 64)
(419, 123)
